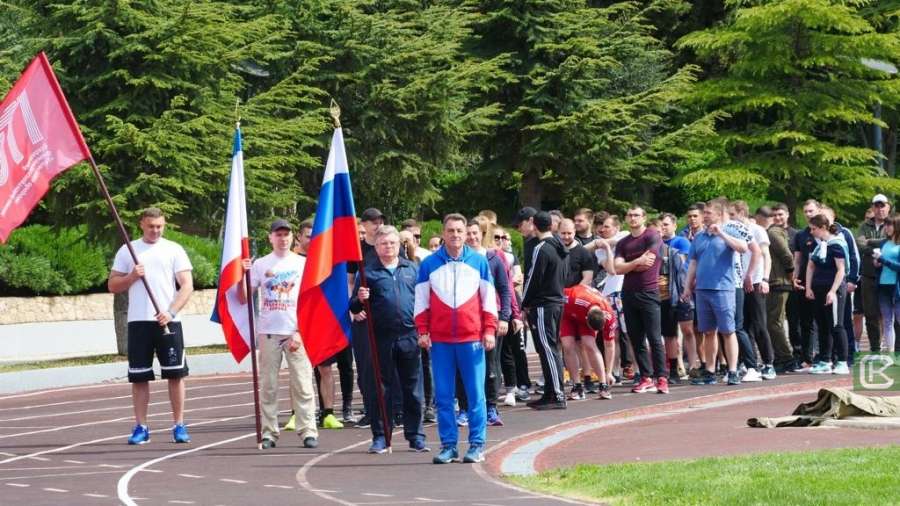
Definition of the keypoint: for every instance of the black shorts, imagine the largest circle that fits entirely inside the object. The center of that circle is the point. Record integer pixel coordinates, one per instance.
(857, 301)
(345, 354)
(671, 315)
(146, 338)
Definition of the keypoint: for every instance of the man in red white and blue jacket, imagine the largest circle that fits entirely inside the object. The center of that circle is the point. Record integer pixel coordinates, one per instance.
(456, 317)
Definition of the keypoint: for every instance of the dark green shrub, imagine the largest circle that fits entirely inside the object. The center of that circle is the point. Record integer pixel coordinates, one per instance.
(205, 256)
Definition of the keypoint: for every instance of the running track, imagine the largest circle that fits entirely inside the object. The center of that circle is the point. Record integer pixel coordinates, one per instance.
(68, 446)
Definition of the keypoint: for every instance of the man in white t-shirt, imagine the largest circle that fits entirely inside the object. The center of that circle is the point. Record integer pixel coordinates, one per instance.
(162, 264)
(277, 276)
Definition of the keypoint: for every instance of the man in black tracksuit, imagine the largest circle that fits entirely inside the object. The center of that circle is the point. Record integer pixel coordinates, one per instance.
(543, 298)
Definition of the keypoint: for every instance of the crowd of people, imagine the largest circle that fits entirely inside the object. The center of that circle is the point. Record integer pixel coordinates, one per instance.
(731, 297)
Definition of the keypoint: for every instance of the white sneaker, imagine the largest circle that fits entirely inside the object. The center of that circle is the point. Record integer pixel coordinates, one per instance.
(510, 399)
(841, 368)
(752, 375)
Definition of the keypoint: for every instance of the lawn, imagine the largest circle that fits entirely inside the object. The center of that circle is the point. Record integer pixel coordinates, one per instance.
(869, 476)
(97, 359)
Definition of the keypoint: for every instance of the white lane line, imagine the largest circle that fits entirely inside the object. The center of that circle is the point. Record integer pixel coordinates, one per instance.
(122, 485)
(104, 439)
(190, 476)
(229, 480)
(55, 475)
(45, 468)
(322, 490)
(151, 471)
(96, 496)
(286, 487)
(7, 454)
(111, 466)
(175, 501)
(73, 462)
(372, 494)
(19, 485)
(57, 490)
(426, 499)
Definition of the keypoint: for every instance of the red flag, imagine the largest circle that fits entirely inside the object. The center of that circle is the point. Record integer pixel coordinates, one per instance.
(39, 138)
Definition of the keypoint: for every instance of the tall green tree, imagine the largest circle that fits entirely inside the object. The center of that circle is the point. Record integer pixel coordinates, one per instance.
(791, 77)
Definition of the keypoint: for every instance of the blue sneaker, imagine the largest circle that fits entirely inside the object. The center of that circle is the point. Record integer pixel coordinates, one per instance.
(447, 455)
(705, 378)
(493, 417)
(474, 454)
(462, 419)
(378, 445)
(140, 435)
(179, 434)
(418, 446)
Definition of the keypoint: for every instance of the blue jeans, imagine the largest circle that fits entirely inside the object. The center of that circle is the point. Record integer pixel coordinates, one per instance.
(468, 358)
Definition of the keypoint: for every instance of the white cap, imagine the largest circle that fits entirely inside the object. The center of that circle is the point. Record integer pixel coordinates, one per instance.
(879, 198)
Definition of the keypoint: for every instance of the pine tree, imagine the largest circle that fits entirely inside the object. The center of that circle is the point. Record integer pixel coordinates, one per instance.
(790, 76)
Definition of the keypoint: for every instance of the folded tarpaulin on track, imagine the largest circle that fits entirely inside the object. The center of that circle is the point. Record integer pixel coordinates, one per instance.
(832, 404)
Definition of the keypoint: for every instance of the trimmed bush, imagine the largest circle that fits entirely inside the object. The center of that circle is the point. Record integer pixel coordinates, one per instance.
(204, 254)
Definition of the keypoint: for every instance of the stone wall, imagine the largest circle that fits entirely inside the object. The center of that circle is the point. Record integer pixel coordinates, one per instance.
(97, 306)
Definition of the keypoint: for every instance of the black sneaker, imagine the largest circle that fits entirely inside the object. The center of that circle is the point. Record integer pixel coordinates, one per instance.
(429, 416)
(577, 393)
(347, 415)
(674, 379)
(550, 405)
(590, 386)
(363, 422)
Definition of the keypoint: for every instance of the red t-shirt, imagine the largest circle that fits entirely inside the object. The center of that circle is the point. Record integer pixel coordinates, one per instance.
(630, 248)
(579, 299)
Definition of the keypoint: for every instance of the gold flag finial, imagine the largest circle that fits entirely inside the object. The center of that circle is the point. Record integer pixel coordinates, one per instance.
(335, 111)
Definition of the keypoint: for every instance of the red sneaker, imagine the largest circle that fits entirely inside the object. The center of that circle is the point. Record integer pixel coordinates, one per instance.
(646, 385)
(662, 385)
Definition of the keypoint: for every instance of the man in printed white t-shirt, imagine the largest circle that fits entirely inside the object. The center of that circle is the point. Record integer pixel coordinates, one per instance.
(277, 276)
(163, 264)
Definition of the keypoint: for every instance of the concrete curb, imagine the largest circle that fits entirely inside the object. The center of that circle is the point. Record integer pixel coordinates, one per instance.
(58, 377)
(518, 455)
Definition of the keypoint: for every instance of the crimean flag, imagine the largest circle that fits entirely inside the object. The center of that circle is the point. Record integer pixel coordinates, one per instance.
(323, 313)
(39, 138)
(228, 310)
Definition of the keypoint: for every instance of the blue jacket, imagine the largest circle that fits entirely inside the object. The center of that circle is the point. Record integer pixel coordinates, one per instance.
(853, 254)
(392, 298)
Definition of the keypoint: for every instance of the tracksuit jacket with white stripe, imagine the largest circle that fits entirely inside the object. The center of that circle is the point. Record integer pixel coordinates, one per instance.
(456, 301)
(546, 276)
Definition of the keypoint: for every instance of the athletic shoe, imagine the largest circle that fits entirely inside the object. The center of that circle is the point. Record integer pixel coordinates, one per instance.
(705, 378)
(418, 446)
(347, 415)
(474, 454)
(841, 368)
(180, 434)
(768, 372)
(378, 445)
(543, 405)
(604, 394)
(140, 435)
(462, 419)
(331, 422)
(363, 422)
(673, 378)
(636, 379)
(398, 420)
(522, 394)
(429, 416)
(662, 385)
(539, 390)
(291, 425)
(751, 376)
(590, 386)
(493, 417)
(628, 372)
(509, 399)
(645, 385)
(695, 373)
(577, 393)
(310, 442)
(267, 443)
(821, 368)
(804, 367)
(447, 455)
(734, 378)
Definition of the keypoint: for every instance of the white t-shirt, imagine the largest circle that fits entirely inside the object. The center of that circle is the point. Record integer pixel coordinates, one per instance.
(161, 260)
(279, 279)
(762, 238)
(737, 229)
(613, 284)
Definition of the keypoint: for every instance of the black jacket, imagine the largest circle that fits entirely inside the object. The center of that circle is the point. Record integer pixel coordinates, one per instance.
(547, 275)
(392, 298)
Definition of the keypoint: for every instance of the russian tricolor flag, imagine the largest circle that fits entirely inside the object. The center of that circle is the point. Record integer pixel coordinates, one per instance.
(324, 310)
(228, 310)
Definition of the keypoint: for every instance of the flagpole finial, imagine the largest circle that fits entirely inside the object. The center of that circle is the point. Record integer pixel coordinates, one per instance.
(237, 111)
(335, 111)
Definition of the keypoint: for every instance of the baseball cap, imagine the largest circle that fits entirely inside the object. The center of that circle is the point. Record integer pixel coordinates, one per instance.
(880, 198)
(371, 214)
(525, 214)
(279, 224)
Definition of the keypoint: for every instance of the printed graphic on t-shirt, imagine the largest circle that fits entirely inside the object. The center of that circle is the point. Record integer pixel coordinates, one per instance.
(278, 287)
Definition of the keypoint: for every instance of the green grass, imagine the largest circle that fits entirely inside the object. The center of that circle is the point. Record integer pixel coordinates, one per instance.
(97, 359)
(854, 476)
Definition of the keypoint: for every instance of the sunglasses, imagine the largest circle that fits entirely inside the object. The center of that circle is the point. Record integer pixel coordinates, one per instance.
(501, 237)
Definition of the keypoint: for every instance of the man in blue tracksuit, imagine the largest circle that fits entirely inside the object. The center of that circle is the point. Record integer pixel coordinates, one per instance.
(391, 295)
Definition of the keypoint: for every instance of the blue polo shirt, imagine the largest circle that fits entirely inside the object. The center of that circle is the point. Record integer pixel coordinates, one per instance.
(715, 261)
